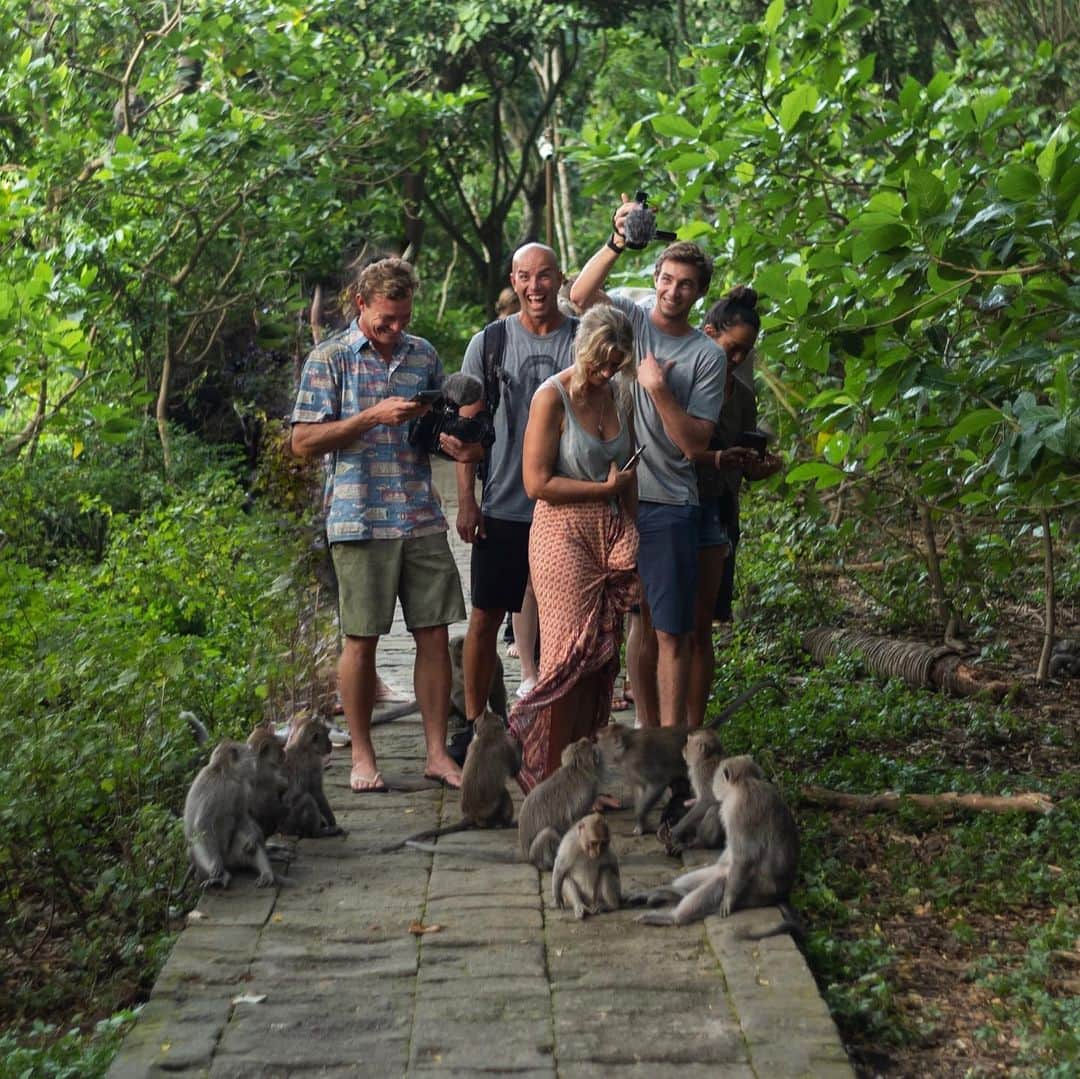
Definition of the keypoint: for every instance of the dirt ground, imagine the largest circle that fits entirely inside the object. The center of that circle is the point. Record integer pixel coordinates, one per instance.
(957, 1024)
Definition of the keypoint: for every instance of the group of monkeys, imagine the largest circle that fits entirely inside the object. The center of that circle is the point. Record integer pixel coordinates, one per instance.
(249, 791)
(733, 807)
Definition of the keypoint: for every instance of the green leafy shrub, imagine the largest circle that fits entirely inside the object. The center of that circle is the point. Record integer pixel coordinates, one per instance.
(837, 726)
(57, 506)
(188, 609)
(71, 1054)
(451, 333)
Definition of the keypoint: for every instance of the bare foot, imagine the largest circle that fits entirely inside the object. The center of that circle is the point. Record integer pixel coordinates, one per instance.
(361, 782)
(363, 761)
(443, 769)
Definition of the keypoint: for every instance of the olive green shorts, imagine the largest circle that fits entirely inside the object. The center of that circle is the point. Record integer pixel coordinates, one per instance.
(372, 574)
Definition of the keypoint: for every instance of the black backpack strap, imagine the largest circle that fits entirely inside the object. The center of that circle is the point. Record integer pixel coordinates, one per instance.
(493, 345)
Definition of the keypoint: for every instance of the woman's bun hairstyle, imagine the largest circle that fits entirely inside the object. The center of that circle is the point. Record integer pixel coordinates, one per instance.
(742, 296)
(737, 307)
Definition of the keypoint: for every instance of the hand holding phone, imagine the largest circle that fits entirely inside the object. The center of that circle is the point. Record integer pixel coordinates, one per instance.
(633, 459)
(757, 441)
(426, 397)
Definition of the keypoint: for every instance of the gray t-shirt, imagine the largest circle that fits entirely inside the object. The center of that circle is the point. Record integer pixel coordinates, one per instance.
(528, 360)
(696, 381)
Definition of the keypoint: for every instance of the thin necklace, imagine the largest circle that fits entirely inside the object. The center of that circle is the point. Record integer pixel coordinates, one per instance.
(603, 410)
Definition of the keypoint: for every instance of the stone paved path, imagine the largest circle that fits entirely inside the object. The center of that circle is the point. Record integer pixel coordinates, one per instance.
(324, 976)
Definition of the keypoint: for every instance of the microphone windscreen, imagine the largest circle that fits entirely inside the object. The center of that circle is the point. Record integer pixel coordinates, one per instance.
(639, 227)
(462, 389)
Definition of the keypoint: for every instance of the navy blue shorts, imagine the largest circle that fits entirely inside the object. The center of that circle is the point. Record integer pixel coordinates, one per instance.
(713, 531)
(667, 563)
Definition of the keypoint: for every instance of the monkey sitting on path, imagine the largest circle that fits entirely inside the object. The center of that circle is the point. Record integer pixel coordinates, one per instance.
(650, 759)
(586, 873)
(218, 826)
(701, 825)
(554, 804)
(549, 809)
(491, 760)
(269, 783)
(307, 812)
(756, 869)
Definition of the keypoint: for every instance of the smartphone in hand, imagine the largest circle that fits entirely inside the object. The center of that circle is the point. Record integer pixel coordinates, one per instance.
(426, 397)
(633, 459)
(754, 440)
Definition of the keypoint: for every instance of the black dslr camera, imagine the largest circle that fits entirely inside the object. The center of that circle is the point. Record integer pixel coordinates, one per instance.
(639, 226)
(459, 389)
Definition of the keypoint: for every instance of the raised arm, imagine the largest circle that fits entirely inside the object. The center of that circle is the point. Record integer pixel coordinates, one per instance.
(588, 288)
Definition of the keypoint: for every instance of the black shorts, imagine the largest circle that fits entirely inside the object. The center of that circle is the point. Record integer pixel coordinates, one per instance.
(500, 565)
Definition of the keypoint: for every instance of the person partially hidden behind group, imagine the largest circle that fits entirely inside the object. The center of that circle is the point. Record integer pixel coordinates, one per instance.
(733, 323)
(583, 544)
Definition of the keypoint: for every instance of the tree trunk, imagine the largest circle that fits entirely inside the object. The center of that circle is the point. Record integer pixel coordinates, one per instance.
(30, 433)
(1050, 604)
(933, 566)
(413, 184)
(565, 216)
(162, 410)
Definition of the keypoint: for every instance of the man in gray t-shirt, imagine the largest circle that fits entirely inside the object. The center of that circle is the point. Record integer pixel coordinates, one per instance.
(679, 391)
(694, 376)
(539, 343)
(528, 360)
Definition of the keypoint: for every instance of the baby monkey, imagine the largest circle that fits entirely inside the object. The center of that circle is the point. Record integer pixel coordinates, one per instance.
(701, 826)
(757, 867)
(586, 873)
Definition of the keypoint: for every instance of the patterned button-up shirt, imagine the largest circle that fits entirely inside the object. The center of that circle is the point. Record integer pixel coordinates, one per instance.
(379, 487)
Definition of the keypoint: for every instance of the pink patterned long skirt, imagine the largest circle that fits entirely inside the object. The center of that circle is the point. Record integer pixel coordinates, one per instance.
(583, 561)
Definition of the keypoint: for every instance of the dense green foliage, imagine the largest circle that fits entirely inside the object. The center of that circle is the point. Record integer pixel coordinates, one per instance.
(1006, 886)
(917, 250)
(192, 605)
(63, 1054)
(902, 186)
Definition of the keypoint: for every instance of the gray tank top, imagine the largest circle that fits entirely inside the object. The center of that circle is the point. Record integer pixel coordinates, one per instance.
(583, 456)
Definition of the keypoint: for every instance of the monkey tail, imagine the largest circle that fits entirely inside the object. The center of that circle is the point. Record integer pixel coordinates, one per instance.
(198, 729)
(731, 708)
(462, 825)
(792, 924)
(399, 711)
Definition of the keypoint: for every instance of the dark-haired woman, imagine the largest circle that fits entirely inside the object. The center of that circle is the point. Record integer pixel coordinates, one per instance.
(734, 324)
